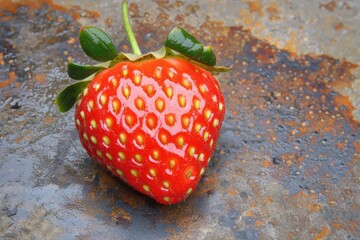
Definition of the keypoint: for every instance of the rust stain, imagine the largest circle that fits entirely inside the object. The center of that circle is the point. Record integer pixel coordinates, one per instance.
(349, 226)
(233, 192)
(108, 22)
(353, 225)
(256, 189)
(76, 11)
(10, 80)
(340, 145)
(339, 73)
(274, 12)
(273, 8)
(181, 215)
(12, 6)
(313, 207)
(120, 216)
(48, 120)
(268, 200)
(330, 6)
(343, 102)
(208, 183)
(259, 223)
(26, 136)
(105, 182)
(290, 236)
(40, 78)
(337, 225)
(357, 147)
(250, 213)
(72, 40)
(1, 59)
(322, 234)
(339, 26)
(305, 200)
(256, 6)
(267, 163)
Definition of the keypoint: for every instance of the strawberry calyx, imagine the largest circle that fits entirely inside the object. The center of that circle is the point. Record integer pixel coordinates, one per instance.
(162, 53)
(98, 46)
(80, 72)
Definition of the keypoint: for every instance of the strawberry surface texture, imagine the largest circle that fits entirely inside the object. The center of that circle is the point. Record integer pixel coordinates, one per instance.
(153, 123)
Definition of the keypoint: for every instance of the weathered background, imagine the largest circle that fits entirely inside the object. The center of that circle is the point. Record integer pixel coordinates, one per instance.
(286, 164)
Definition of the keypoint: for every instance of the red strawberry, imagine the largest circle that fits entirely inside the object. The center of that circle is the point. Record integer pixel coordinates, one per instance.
(152, 120)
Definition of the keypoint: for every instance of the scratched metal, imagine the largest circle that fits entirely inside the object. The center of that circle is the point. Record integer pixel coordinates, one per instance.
(286, 165)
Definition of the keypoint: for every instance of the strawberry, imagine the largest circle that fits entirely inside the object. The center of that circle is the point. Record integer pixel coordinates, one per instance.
(152, 120)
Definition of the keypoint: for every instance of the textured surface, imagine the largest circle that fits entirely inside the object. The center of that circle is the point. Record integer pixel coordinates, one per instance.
(286, 165)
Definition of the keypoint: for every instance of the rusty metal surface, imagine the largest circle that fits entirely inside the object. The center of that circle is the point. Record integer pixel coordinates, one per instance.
(287, 162)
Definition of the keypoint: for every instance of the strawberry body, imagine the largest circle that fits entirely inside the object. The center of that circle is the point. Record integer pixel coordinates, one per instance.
(153, 123)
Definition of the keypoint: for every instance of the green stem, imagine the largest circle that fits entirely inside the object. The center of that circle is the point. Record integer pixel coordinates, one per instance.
(129, 31)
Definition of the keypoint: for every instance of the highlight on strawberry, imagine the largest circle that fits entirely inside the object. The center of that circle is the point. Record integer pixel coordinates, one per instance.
(151, 119)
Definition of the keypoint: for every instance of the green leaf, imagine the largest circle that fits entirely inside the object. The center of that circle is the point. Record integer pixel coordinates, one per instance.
(68, 96)
(208, 57)
(184, 43)
(80, 72)
(97, 44)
